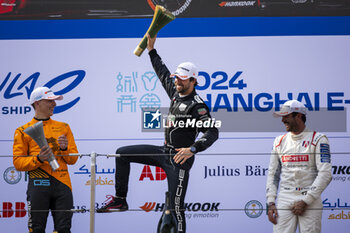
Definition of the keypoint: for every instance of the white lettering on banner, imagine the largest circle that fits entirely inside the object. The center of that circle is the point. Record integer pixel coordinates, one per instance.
(295, 158)
(210, 123)
(182, 8)
(177, 200)
(237, 3)
(8, 4)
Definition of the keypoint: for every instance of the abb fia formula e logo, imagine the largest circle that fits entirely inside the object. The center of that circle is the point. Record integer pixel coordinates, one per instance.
(158, 175)
(17, 85)
(16, 210)
(175, 7)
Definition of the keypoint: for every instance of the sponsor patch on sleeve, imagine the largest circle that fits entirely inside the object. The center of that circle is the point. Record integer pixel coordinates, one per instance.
(202, 111)
(325, 153)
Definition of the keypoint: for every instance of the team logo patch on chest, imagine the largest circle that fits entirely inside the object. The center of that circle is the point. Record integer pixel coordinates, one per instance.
(306, 143)
(202, 111)
(325, 154)
(182, 107)
(295, 158)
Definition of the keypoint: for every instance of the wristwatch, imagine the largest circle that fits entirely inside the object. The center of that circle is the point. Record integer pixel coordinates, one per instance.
(193, 149)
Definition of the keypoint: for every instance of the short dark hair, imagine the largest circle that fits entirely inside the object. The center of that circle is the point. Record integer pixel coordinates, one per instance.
(193, 79)
(303, 117)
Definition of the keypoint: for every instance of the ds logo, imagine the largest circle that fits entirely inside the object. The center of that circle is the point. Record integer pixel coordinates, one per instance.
(41, 182)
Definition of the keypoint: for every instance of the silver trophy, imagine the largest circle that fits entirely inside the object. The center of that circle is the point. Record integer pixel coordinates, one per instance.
(36, 132)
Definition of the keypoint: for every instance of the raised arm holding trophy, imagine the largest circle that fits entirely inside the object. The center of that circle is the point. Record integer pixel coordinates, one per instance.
(176, 156)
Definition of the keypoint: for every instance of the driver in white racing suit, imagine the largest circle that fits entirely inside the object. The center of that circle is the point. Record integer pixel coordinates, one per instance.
(301, 163)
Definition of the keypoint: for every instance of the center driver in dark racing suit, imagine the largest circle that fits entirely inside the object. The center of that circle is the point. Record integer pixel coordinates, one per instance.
(188, 115)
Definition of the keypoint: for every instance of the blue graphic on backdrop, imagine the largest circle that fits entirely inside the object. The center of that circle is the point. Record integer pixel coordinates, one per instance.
(149, 102)
(14, 87)
(126, 101)
(127, 84)
(149, 80)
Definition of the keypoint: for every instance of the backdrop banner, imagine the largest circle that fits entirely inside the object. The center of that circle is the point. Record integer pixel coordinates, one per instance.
(106, 90)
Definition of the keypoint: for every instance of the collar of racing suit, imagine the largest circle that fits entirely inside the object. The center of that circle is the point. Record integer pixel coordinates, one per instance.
(46, 119)
(299, 136)
(183, 98)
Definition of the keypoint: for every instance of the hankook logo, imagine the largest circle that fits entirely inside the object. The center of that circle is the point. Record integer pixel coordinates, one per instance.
(194, 207)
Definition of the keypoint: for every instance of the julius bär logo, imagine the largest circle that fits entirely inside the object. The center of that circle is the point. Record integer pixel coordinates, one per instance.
(12, 176)
(152, 119)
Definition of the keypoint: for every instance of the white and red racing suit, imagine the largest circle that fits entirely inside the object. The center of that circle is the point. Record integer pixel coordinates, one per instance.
(301, 166)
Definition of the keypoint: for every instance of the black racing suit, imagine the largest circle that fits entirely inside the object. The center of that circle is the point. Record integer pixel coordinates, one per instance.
(190, 108)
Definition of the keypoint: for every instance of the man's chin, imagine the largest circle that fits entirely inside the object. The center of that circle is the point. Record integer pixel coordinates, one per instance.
(179, 90)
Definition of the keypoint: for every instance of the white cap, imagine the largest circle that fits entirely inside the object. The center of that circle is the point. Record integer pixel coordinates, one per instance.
(185, 71)
(289, 107)
(43, 93)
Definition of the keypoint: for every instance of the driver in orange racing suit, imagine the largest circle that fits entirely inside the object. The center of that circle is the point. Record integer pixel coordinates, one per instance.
(47, 189)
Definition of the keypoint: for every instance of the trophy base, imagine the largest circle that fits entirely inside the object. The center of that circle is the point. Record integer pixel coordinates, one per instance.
(54, 164)
(138, 51)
